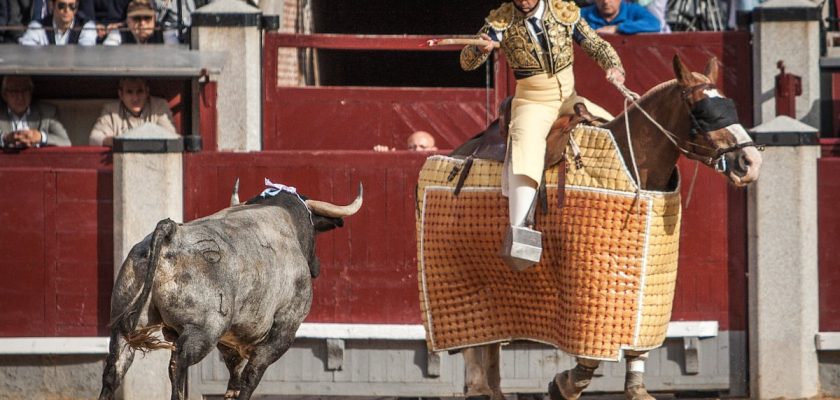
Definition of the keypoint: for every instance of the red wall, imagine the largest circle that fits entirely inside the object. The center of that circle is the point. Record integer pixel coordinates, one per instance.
(368, 267)
(57, 243)
(828, 214)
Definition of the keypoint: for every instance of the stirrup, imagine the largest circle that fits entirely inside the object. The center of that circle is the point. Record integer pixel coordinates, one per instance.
(522, 247)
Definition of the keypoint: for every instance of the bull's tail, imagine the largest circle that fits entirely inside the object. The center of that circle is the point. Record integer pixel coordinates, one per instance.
(126, 322)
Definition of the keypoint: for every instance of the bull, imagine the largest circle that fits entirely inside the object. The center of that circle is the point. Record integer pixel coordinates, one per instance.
(239, 280)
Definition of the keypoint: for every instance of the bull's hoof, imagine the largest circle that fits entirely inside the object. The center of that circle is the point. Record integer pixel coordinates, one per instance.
(562, 387)
(637, 393)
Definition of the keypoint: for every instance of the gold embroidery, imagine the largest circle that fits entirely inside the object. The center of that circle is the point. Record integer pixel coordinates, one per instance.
(566, 12)
(523, 53)
(597, 48)
(501, 18)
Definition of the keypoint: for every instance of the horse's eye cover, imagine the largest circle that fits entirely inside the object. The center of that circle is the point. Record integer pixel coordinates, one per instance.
(713, 113)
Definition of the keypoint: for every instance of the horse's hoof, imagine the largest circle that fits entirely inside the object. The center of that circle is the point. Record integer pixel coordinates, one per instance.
(230, 394)
(637, 393)
(562, 387)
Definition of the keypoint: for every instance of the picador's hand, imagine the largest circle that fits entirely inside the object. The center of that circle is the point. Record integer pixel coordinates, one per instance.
(615, 75)
(489, 47)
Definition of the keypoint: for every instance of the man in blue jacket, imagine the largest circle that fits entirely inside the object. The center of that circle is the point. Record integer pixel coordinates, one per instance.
(618, 16)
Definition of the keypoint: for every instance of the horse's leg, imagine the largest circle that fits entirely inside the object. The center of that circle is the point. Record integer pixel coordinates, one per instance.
(119, 359)
(570, 384)
(483, 377)
(234, 363)
(634, 385)
(494, 373)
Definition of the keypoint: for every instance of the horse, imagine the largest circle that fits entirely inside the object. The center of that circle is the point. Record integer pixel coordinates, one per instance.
(686, 116)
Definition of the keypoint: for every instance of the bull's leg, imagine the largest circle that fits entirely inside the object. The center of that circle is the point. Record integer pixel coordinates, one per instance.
(235, 363)
(482, 369)
(634, 385)
(571, 383)
(193, 344)
(264, 355)
(119, 359)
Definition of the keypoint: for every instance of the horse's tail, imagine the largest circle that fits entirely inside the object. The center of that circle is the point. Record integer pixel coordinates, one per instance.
(126, 322)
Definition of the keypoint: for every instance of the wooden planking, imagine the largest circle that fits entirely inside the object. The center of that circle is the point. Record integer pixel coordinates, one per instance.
(346, 118)
(368, 267)
(59, 248)
(711, 281)
(828, 215)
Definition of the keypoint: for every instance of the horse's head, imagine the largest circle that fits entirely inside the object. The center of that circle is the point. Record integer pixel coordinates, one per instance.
(717, 136)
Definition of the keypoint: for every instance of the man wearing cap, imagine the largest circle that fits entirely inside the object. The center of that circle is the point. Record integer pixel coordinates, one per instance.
(62, 26)
(142, 29)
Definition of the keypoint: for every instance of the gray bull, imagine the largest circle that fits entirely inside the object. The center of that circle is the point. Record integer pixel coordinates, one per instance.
(239, 280)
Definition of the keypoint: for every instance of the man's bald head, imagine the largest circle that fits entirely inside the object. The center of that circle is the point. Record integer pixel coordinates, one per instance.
(421, 141)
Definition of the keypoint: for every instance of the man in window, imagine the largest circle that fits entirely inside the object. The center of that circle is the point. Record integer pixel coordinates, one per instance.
(135, 107)
(24, 124)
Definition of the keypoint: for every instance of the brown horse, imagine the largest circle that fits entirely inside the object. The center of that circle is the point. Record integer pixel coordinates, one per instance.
(694, 120)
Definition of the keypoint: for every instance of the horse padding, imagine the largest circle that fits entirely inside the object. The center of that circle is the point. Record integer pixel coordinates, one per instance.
(606, 279)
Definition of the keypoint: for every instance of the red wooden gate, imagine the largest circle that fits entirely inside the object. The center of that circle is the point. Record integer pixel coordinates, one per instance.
(57, 243)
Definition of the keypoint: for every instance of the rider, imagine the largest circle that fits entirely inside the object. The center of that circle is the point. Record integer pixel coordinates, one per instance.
(536, 37)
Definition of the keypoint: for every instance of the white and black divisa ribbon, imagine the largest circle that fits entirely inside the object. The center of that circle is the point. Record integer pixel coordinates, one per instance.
(273, 189)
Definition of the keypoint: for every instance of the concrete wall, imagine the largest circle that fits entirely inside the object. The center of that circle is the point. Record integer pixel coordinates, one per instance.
(63, 377)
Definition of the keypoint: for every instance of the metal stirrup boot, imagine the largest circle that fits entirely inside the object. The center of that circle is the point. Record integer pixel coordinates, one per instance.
(522, 246)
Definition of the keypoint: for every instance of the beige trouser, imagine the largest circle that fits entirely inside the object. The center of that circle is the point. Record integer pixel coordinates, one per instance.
(538, 101)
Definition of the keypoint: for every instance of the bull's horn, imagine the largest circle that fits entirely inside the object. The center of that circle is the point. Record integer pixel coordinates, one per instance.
(334, 211)
(234, 197)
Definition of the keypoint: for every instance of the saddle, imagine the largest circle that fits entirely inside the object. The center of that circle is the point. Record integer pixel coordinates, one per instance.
(491, 144)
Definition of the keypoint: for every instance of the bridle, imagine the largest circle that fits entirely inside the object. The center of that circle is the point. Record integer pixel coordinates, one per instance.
(711, 156)
(708, 115)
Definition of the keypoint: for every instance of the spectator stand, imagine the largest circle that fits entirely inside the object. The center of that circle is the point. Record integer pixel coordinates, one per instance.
(78, 80)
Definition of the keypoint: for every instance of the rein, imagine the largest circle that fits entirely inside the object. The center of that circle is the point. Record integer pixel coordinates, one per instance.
(632, 97)
(715, 159)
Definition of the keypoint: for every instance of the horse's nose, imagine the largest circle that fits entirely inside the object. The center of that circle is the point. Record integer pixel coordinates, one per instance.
(741, 165)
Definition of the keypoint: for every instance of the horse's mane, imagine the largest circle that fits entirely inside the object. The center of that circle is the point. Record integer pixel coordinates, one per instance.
(652, 92)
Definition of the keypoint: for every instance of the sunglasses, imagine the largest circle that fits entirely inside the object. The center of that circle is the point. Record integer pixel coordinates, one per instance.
(139, 18)
(64, 6)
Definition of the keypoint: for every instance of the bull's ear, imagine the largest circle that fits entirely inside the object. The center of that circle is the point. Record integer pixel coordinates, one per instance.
(323, 224)
(711, 70)
(682, 73)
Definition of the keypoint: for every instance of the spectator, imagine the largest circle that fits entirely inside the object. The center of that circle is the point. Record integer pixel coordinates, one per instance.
(24, 124)
(618, 16)
(62, 26)
(135, 107)
(13, 15)
(142, 27)
(417, 141)
(659, 9)
(167, 16)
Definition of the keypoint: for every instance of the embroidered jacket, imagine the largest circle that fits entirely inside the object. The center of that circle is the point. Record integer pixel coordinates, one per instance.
(562, 24)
